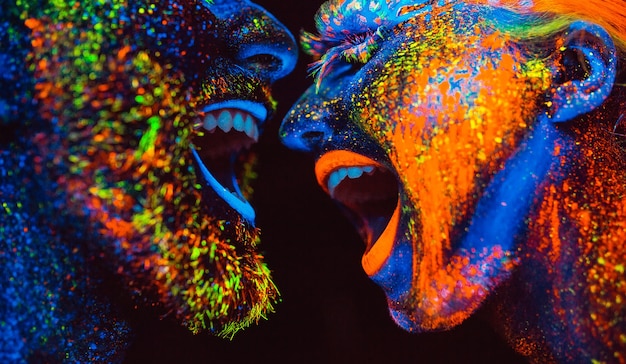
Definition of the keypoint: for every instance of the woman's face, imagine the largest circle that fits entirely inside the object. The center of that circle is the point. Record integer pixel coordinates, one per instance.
(153, 109)
(412, 122)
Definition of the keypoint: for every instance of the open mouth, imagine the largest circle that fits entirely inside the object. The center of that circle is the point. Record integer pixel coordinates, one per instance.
(367, 189)
(224, 133)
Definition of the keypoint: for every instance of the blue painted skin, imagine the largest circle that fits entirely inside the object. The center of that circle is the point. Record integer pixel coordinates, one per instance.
(59, 296)
(54, 302)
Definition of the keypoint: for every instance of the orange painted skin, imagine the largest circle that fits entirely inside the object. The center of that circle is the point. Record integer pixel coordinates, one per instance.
(482, 169)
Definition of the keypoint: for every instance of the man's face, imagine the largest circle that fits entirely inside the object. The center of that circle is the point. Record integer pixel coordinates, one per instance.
(411, 122)
(153, 108)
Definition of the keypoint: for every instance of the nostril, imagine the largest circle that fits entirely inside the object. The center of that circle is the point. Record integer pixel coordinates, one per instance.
(271, 61)
(257, 40)
(313, 138)
(310, 138)
(263, 63)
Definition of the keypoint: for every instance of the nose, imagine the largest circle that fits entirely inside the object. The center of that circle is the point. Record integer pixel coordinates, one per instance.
(260, 42)
(305, 128)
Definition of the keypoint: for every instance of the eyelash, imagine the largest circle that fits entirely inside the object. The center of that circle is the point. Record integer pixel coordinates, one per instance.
(336, 19)
(354, 49)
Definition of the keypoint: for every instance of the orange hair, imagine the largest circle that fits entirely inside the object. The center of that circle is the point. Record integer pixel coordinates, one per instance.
(610, 14)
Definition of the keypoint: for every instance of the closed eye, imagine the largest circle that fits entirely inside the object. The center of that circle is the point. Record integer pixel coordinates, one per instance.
(353, 49)
(352, 31)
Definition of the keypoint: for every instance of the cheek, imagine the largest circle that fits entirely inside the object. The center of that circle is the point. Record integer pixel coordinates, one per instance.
(449, 125)
(459, 114)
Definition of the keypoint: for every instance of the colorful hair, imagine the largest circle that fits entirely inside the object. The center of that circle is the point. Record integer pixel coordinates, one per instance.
(551, 16)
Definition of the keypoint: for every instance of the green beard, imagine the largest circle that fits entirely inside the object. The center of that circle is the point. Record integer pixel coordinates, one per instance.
(121, 158)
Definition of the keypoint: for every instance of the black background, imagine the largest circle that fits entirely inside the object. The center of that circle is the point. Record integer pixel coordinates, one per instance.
(330, 311)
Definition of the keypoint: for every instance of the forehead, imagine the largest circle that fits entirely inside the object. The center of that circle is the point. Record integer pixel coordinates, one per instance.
(337, 19)
(340, 17)
(345, 23)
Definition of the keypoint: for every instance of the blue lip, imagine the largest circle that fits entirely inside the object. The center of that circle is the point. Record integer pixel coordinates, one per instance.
(239, 204)
(257, 110)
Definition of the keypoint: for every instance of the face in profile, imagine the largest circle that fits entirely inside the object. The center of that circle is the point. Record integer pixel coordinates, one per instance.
(460, 141)
(142, 135)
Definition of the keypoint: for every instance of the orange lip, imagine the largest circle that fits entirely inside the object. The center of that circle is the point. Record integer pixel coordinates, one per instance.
(337, 159)
(373, 259)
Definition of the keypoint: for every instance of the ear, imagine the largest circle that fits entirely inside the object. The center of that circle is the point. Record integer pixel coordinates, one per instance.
(586, 67)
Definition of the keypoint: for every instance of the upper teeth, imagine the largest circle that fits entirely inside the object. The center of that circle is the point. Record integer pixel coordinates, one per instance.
(227, 120)
(340, 174)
